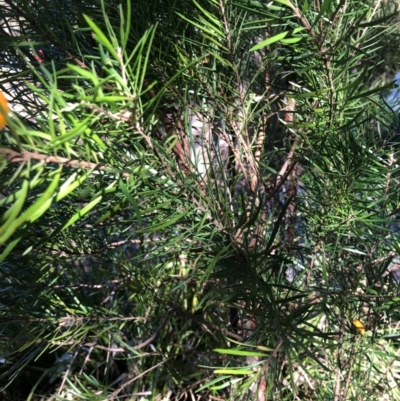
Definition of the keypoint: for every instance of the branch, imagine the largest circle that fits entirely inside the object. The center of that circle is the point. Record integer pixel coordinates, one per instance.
(25, 156)
(319, 40)
(136, 347)
(113, 395)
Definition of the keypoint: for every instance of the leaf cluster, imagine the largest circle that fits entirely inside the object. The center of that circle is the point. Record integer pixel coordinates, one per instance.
(198, 199)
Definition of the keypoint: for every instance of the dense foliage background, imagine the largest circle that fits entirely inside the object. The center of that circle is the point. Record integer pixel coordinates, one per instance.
(198, 200)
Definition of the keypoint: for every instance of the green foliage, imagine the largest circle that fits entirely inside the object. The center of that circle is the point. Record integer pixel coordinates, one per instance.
(143, 259)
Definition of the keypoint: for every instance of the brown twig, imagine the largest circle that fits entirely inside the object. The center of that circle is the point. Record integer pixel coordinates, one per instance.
(25, 156)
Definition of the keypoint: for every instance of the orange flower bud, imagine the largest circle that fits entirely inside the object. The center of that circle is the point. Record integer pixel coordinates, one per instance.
(4, 109)
(359, 326)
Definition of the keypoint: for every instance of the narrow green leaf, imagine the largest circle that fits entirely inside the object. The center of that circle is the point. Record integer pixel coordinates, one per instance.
(101, 37)
(284, 2)
(70, 185)
(291, 41)
(233, 372)
(131, 200)
(78, 129)
(78, 215)
(269, 41)
(228, 351)
(211, 31)
(370, 92)
(11, 245)
(85, 73)
(161, 226)
(12, 213)
(34, 211)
